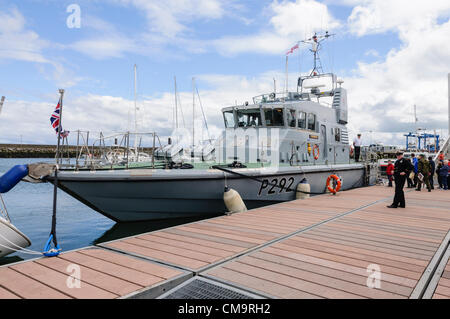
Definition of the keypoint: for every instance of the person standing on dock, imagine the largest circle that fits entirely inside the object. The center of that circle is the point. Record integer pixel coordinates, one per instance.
(390, 172)
(402, 168)
(432, 171)
(423, 173)
(415, 163)
(357, 142)
(443, 173)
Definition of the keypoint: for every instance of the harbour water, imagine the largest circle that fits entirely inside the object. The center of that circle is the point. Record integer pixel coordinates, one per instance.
(30, 209)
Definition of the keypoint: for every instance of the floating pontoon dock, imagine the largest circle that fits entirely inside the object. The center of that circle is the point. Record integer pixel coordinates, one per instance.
(322, 247)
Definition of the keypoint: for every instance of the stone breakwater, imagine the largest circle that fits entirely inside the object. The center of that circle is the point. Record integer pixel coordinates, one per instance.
(39, 151)
(30, 151)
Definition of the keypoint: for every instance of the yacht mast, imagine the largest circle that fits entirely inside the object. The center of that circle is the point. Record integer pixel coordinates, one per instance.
(193, 111)
(135, 100)
(176, 103)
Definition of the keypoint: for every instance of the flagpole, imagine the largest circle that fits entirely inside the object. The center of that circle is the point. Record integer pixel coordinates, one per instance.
(61, 92)
(55, 183)
(287, 76)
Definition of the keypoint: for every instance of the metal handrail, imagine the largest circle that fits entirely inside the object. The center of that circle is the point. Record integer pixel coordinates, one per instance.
(94, 155)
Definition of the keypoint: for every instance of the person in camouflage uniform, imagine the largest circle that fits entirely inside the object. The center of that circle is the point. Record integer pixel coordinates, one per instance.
(424, 169)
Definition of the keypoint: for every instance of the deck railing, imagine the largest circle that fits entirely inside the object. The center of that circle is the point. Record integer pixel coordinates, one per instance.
(118, 150)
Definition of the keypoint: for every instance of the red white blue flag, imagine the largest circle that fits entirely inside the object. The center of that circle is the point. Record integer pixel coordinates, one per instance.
(54, 120)
(292, 49)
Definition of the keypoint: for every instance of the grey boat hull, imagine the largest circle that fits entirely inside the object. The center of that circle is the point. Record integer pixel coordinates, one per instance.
(145, 194)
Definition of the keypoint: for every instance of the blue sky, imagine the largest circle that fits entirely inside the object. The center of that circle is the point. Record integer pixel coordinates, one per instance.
(233, 48)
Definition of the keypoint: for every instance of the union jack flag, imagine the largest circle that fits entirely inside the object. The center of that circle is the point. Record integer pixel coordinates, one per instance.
(54, 120)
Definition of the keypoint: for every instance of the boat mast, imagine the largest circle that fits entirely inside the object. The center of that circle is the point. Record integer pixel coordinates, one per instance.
(135, 103)
(176, 103)
(315, 42)
(193, 112)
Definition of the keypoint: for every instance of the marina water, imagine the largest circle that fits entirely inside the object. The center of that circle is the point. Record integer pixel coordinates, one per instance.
(30, 209)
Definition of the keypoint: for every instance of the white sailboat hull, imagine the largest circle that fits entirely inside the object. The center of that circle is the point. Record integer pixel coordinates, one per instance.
(11, 239)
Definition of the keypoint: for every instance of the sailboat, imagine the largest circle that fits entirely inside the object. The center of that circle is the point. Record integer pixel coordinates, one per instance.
(120, 154)
(11, 238)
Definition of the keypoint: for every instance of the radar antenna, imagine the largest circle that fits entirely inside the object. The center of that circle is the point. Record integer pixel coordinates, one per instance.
(316, 43)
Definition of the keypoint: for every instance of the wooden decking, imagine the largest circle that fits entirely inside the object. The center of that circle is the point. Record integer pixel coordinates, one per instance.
(103, 274)
(443, 289)
(323, 247)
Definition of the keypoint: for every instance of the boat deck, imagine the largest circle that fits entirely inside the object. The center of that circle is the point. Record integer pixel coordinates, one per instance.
(322, 247)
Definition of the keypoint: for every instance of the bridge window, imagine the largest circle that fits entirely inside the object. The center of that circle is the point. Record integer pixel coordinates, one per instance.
(274, 117)
(291, 118)
(229, 119)
(249, 117)
(337, 134)
(301, 120)
(311, 122)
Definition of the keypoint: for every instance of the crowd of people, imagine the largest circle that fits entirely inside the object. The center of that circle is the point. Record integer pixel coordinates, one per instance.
(423, 172)
(417, 172)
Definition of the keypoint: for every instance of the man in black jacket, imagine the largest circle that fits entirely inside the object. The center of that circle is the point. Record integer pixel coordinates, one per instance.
(432, 171)
(402, 168)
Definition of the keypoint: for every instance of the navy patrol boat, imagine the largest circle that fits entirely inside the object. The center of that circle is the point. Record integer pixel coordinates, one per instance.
(268, 148)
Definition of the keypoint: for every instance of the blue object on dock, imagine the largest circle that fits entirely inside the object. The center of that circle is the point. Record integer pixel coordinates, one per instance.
(51, 252)
(12, 177)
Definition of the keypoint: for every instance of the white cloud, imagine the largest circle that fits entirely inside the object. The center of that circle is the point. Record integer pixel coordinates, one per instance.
(301, 17)
(113, 46)
(169, 17)
(289, 23)
(18, 43)
(382, 94)
(377, 16)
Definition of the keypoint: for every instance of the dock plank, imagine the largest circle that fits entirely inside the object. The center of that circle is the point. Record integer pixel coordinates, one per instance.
(133, 263)
(58, 281)
(26, 287)
(121, 272)
(95, 278)
(158, 255)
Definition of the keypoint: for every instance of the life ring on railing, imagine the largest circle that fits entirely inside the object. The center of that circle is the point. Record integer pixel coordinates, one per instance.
(338, 184)
(316, 151)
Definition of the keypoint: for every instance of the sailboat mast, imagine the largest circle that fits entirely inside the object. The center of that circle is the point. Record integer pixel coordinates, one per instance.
(135, 99)
(176, 102)
(193, 111)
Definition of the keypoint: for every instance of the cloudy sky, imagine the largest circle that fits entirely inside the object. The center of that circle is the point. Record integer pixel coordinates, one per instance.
(391, 55)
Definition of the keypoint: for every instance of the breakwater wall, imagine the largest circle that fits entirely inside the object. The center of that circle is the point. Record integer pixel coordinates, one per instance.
(41, 151)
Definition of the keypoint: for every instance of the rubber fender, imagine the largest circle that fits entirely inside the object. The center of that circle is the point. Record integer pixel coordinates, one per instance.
(12, 177)
(233, 201)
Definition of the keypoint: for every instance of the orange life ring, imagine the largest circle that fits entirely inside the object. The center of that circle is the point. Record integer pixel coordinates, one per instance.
(338, 186)
(316, 151)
